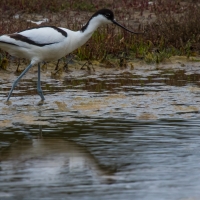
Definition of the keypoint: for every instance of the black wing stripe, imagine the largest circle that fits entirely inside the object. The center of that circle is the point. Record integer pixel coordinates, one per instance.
(9, 43)
(59, 30)
(27, 40)
(54, 27)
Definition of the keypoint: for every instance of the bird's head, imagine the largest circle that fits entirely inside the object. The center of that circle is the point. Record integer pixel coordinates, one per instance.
(106, 16)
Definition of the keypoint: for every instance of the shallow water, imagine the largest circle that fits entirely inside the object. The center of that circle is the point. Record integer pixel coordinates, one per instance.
(122, 135)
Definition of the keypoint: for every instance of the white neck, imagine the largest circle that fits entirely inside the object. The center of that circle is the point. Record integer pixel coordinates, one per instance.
(92, 26)
(82, 36)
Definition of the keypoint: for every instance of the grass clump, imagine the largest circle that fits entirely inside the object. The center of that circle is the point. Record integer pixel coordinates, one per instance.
(171, 27)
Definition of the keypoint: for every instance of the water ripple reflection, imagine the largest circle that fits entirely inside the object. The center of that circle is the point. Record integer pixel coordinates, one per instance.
(113, 135)
(105, 158)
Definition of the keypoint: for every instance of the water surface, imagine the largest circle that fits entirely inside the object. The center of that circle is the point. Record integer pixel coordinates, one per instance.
(123, 135)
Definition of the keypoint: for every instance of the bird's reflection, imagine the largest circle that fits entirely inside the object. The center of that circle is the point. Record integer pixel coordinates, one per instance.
(50, 161)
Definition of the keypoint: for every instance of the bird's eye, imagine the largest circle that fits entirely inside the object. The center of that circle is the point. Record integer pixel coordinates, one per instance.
(107, 15)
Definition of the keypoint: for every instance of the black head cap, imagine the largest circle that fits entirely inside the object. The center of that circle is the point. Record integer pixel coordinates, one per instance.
(106, 13)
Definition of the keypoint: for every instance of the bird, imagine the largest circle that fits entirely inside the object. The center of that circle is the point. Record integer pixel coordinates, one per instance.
(47, 43)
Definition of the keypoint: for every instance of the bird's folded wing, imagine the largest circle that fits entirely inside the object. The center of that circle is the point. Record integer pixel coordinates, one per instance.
(38, 36)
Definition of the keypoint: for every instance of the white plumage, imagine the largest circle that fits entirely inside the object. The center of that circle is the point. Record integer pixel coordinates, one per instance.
(48, 43)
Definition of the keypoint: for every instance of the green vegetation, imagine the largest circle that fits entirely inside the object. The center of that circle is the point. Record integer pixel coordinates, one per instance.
(171, 27)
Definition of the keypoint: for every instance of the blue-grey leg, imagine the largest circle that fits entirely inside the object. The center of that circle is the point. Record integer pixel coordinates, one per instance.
(39, 89)
(17, 80)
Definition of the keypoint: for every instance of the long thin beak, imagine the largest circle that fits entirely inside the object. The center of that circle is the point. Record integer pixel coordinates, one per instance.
(114, 22)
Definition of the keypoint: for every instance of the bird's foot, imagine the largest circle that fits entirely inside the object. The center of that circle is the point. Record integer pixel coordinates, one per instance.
(41, 102)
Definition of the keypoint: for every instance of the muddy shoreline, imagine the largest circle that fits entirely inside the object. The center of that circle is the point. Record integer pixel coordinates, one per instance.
(140, 91)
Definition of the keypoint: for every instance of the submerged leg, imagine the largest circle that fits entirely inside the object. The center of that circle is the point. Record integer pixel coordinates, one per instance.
(39, 89)
(17, 80)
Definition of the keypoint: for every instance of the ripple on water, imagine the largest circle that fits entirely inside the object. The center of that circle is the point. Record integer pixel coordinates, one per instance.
(121, 136)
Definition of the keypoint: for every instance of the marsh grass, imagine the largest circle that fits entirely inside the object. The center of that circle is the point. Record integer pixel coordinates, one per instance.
(174, 31)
